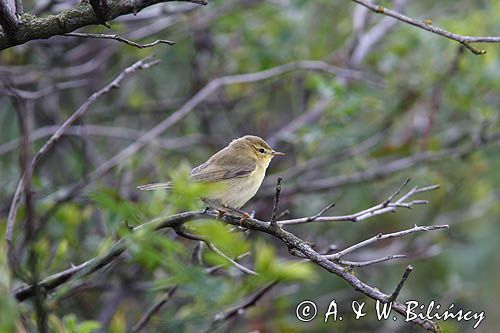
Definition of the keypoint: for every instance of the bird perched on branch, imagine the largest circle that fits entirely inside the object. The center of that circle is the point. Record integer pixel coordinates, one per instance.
(237, 171)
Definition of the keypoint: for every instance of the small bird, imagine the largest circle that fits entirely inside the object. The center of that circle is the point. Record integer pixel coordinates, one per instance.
(237, 170)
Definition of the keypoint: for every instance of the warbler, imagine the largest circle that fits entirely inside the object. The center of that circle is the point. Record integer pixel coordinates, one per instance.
(237, 171)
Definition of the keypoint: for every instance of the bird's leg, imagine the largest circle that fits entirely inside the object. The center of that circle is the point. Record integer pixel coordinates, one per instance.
(244, 217)
(236, 210)
(221, 213)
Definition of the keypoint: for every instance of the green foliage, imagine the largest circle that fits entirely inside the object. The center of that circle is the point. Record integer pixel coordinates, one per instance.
(70, 324)
(9, 312)
(233, 244)
(272, 268)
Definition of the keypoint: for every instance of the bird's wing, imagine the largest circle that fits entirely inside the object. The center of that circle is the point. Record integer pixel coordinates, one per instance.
(211, 171)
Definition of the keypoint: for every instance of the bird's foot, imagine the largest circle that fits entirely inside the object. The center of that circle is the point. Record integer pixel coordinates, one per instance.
(221, 213)
(244, 217)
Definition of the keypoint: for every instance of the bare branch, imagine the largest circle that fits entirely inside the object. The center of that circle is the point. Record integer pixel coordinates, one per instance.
(105, 131)
(212, 247)
(380, 237)
(153, 309)
(141, 324)
(364, 42)
(294, 244)
(320, 213)
(385, 207)
(19, 7)
(371, 262)
(396, 292)
(307, 117)
(276, 203)
(39, 304)
(395, 194)
(120, 39)
(26, 94)
(427, 25)
(88, 267)
(240, 308)
(8, 20)
(76, 17)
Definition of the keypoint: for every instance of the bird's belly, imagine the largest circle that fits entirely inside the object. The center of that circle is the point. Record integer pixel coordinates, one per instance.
(237, 191)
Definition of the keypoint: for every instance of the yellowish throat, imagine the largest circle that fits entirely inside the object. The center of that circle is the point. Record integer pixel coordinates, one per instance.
(237, 171)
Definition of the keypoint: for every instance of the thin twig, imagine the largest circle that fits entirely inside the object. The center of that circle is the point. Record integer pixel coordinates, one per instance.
(240, 308)
(212, 247)
(141, 324)
(396, 292)
(320, 213)
(120, 39)
(380, 237)
(427, 25)
(382, 208)
(153, 309)
(276, 203)
(362, 42)
(371, 262)
(395, 194)
(105, 131)
(40, 308)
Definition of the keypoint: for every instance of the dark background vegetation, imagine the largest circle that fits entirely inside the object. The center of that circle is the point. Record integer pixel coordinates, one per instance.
(415, 101)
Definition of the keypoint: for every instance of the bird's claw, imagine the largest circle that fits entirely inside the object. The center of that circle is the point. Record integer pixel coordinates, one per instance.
(244, 217)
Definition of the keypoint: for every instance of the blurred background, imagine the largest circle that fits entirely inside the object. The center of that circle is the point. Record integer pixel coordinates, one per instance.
(357, 101)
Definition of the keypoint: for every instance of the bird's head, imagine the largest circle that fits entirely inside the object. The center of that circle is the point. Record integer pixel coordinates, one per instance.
(256, 148)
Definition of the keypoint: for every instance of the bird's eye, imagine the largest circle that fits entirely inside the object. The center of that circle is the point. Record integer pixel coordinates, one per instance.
(261, 150)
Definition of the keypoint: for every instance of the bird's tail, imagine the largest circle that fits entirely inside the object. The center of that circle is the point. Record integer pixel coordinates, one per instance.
(155, 186)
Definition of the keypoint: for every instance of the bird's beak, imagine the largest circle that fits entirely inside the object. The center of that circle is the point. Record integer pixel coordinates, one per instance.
(277, 153)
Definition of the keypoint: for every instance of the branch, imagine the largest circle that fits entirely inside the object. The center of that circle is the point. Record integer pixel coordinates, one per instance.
(294, 244)
(8, 21)
(395, 294)
(120, 39)
(385, 207)
(371, 262)
(19, 7)
(167, 295)
(78, 16)
(380, 237)
(272, 222)
(90, 266)
(240, 308)
(427, 25)
(153, 309)
(212, 247)
(141, 64)
(363, 43)
(104, 131)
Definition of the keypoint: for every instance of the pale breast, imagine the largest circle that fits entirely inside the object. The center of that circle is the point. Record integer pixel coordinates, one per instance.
(240, 190)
